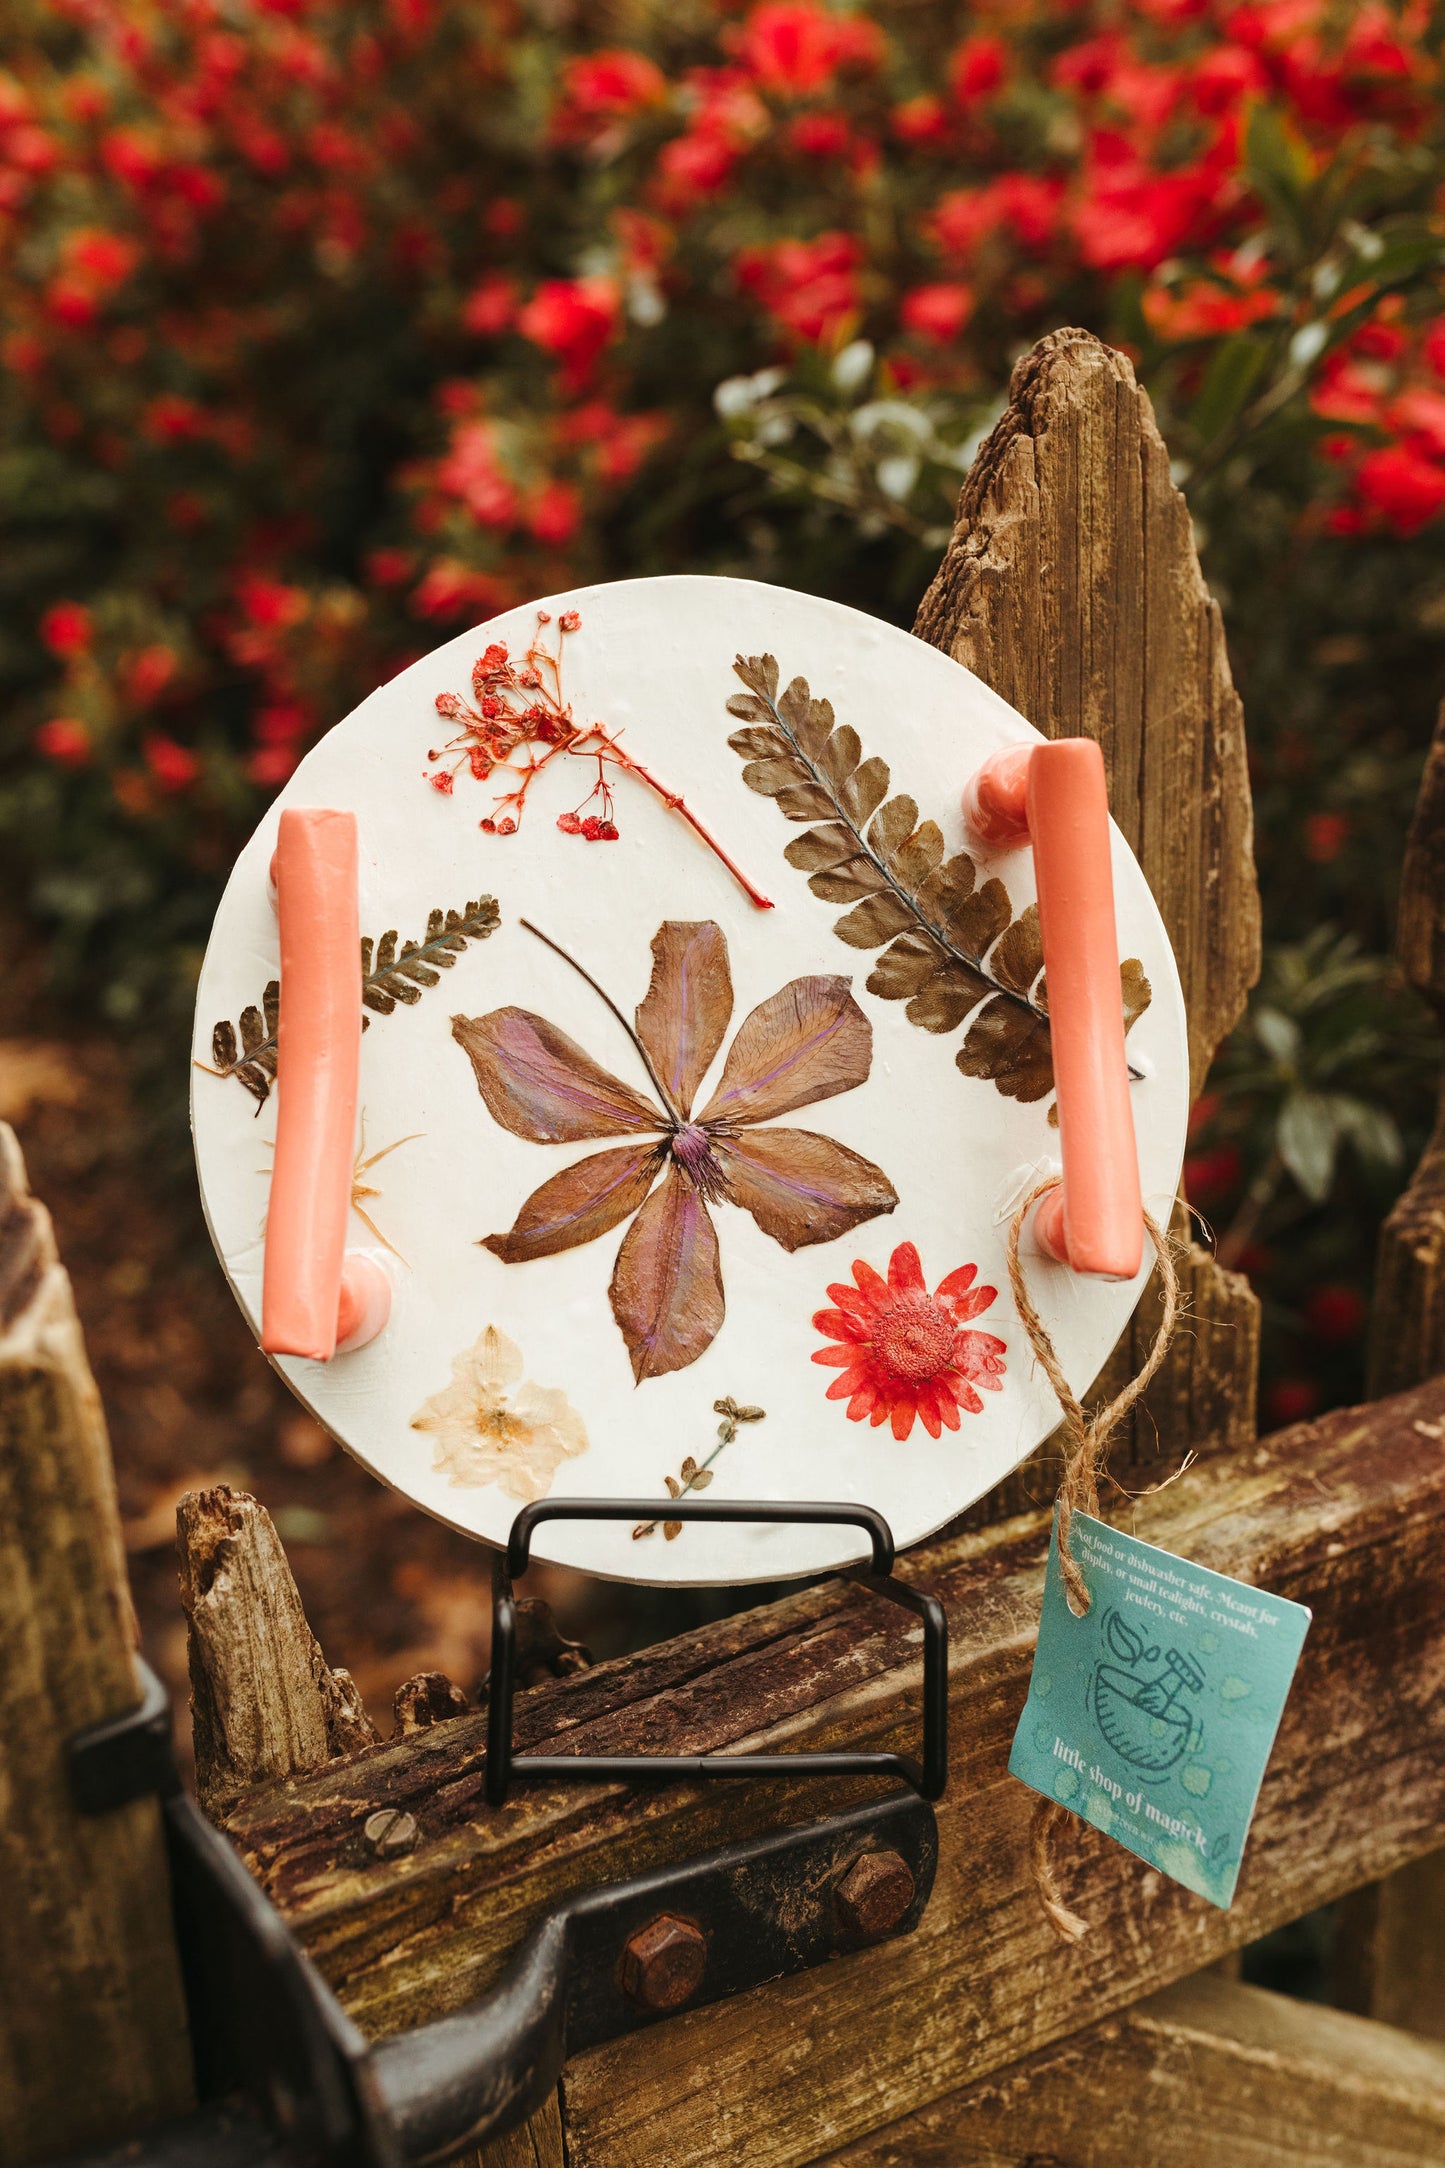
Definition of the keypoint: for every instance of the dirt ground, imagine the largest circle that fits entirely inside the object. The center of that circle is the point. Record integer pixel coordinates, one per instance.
(191, 1401)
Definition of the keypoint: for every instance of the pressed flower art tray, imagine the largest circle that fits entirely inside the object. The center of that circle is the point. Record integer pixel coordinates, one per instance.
(675, 1191)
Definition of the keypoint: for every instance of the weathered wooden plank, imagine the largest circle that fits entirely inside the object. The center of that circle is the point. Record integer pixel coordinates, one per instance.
(1407, 1326)
(1345, 1514)
(92, 2026)
(1071, 585)
(264, 1703)
(1389, 1954)
(536, 2144)
(1203, 2071)
(1388, 1960)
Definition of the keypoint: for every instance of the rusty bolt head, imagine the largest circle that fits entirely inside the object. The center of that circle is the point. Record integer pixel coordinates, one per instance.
(662, 1964)
(874, 1894)
(389, 1832)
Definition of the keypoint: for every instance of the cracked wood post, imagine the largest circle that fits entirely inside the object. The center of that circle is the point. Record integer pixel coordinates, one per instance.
(1391, 1937)
(92, 2024)
(264, 1702)
(1072, 587)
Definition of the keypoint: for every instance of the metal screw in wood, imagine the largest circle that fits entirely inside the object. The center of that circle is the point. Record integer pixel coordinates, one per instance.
(662, 1964)
(874, 1894)
(390, 1832)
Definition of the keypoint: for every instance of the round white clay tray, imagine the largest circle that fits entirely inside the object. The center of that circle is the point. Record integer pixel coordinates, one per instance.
(498, 1380)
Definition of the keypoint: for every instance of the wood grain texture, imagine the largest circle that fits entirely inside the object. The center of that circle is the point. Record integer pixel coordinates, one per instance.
(537, 2144)
(1407, 1327)
(92, 2026)
(1391, 1938)
(1345, 1514)
(1204, 1396)
(1071, 585)
(1388, 1960)
(264, 1703)
(1207, 2071)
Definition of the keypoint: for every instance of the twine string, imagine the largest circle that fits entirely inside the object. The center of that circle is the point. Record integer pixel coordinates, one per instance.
(1086, 1439)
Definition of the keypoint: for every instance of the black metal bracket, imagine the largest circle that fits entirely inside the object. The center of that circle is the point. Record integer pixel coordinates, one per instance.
(288, 2081)
(125, 1757)
(927, 1775)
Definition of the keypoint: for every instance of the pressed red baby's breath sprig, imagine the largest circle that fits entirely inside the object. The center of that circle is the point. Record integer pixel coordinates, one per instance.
(518, 722)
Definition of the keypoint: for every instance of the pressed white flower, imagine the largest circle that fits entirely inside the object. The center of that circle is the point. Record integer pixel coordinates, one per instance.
(488, 1432)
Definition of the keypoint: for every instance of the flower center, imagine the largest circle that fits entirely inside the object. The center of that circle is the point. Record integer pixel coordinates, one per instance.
(692, 1149)
(914, 1337)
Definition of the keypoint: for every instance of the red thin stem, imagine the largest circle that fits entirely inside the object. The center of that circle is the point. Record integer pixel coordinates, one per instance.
(676, 803)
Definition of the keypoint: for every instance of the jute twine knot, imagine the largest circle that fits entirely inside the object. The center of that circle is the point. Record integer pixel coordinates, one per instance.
(1085, 1440)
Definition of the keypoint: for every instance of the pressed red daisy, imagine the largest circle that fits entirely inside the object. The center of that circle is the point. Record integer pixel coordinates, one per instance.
(901, 1352)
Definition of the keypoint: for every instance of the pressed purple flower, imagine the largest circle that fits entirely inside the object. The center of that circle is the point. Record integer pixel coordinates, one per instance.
(807, 1042)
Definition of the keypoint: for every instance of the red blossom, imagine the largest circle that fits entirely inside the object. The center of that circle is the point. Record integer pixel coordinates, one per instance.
(1419, 413)
(1348, 391)
(1291, 1400)
(555, 514)
(66, 741)
(269, 765)
(1220, 79)
(937, 312)
(281, 722)
(1205, 309)
(65, 628)
(172, 419)
(608, 85)
(1024, 206)
(904, 1355)
(810, 287)
(977, 68)
(174, 767)
(921, 120)
(448, 589)
(821, 135)
(1130, 217)
(149, 673)
(694, 166)
(471, 471)
(491, 306)
(795, 47)
(573, 319)
(270, 602)
(1402, 485)
(1325, 836)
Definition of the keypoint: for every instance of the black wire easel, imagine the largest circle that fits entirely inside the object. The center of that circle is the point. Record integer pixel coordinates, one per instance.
(927, 1775)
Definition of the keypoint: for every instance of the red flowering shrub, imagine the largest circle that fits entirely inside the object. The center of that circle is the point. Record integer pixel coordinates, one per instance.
(323, 337)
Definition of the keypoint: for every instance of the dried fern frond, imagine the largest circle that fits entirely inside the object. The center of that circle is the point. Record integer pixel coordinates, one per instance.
(253, 1062)
(954, 951)
(393, 977)
(387, 977)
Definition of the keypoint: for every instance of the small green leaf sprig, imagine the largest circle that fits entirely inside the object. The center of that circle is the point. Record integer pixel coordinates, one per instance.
(696, 1475)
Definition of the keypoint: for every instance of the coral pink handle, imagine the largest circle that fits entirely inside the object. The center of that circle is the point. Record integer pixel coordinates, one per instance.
(1059, 799)
(309, 1282)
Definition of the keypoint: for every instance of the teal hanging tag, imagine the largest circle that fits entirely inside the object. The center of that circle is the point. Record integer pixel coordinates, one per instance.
(1153, 1716)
